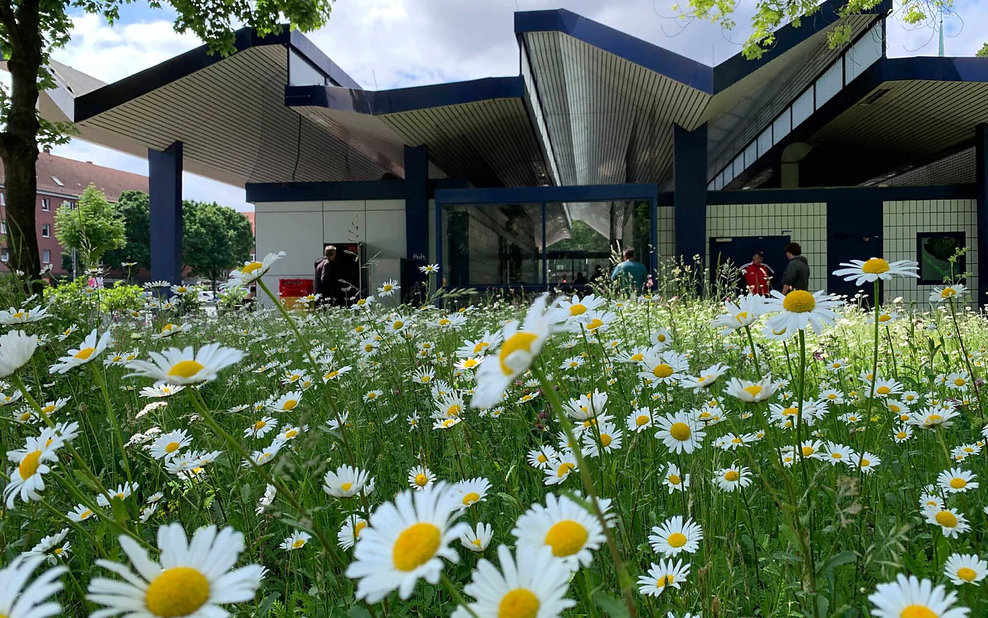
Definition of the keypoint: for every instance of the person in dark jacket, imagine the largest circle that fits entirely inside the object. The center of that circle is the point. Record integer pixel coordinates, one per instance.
(797, 274)
(328, 275)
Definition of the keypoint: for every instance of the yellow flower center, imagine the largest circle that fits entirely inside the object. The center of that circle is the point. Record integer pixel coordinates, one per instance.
(674, 479)
(865, 463)
(958, 483)
(565, 469)
(178, 591)
(346, 486)
(454, 410)
(86, 514)
(171, 447)
(790, 411)
(29, 465)
(948, 293)
(520, 341)
(676, 539)
(84, 353)
(291, 433)
(837, 456)
(298, 543)
(470, 498)
(875, 266)
(421, 480)
(680, 431)
(665, 580)
(883, 390)
(415, 546)
(934, 418)
(732, 476)
(917, 611)
(186, 368)
(250, 268)
(799, 301)
(606, 439)
(884, 317)
(518, 603)
(566, 538)
(753, 390)
(359, 528)
(259, 425)
(960, 382)
(289, 405)
(398, 324)
(577, 309)
(946, 519)
(966, 574)
(640, 420)
(662, 370)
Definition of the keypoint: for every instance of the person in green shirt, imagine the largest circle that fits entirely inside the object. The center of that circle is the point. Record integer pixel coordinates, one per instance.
(629, 273)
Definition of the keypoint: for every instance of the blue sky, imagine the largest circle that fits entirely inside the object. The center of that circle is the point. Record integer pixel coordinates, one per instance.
(397, 43)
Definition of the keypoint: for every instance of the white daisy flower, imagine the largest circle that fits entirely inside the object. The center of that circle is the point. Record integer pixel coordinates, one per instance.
(471, 491)
(167, 445)
(406, 541)
(420, 477)
(874, 269)
(951, 522)
(477, 540)
(965, 569)
(675, 536)
(252, 271)
(661, 576)
(909, 597)
(569, 529)
(88, 350)
(957, 481)
(346, 481)
(35, 600)
(531, 584)
(193, 578)
(733, 478)
(800, 309)
(296, 540)
(680, 432)
(175, 366)
(947, 293)
(350, 531)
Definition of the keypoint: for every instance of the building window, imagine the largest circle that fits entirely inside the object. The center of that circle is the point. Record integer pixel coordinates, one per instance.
(3, 199)
(45, 230)
(67, 203)
(934, 251)
(45, 204)
(46, 256)
(3, 226)
(5, 256)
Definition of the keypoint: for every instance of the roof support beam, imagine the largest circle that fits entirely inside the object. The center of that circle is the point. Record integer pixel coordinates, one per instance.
(690, 191)
(981, 188)
(165, 189)
(416, 217)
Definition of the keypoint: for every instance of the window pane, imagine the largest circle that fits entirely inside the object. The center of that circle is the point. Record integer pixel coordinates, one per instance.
(802, 107)
(301, 73)
(493, 245)
(864, 53)
(781, 126)
(765, 141)
(830, 82)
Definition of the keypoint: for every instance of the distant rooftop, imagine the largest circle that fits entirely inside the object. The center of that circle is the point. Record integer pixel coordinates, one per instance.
(70, 177)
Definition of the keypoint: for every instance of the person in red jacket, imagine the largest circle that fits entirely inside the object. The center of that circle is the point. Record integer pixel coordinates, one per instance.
(758, 275)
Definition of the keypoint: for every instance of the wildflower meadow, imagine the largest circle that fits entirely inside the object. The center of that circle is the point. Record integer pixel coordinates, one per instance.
(592, 454)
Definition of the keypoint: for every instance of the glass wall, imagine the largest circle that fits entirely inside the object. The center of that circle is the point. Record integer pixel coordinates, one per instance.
(502, 245)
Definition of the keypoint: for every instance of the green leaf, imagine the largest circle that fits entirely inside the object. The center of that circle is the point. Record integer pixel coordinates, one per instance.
(358, 611)
(613, 607)
(266, 604)
(845, 557)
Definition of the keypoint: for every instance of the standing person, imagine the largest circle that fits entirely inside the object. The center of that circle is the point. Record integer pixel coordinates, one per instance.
(797, 274)
(328, 273)
(629, 273)
(758, 275)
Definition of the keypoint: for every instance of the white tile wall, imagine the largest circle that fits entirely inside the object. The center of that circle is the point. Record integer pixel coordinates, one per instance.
(903, 220)
(803, 223)
(666, 241)
(300, 229)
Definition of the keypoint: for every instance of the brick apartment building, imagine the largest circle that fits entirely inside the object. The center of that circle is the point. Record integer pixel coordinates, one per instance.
(62, 181)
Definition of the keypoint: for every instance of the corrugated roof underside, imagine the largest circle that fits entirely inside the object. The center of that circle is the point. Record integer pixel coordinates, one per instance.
(610, 120)
(232, 116)
(491, 142)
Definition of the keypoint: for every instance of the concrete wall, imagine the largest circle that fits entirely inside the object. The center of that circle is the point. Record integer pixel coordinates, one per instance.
(803, 223)
(903, 220)
(301, 228)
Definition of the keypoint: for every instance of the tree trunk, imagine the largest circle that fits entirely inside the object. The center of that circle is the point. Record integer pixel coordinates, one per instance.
(19, 145)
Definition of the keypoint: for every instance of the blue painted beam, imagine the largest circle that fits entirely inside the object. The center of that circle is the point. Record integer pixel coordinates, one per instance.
(981, 191)
(165, 192)
(690, 191)
(848, 194)
(416, 216)
(528, 195)
(662, 61)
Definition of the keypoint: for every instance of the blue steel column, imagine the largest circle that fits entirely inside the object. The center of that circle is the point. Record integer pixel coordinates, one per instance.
(690, 191)
(165, 188)
(416, 215)
(981, 180)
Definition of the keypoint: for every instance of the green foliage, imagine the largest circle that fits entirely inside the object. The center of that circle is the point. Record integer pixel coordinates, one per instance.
(983, 52)
(66, 299)
(216, 239)
(92, 227)
(135, 208)
(770, 15)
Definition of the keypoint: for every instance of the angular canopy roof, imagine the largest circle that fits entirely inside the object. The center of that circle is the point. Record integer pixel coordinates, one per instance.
(591, 106)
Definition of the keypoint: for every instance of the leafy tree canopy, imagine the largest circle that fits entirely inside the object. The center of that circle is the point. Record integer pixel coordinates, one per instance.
(92, 227)
(770, 15)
